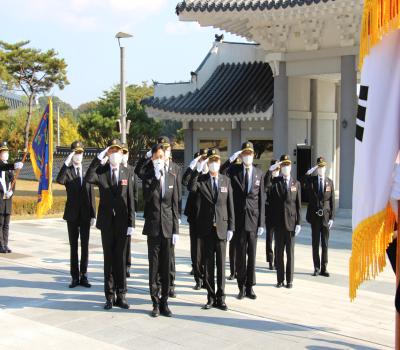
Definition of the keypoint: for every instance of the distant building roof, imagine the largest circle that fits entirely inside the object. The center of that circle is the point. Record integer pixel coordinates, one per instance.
(233, 88)
(12, 100)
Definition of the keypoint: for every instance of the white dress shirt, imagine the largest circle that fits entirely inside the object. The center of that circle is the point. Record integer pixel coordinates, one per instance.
(116, 173)
(80, 171)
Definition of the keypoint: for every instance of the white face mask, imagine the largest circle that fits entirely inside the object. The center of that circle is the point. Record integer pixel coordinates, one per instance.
(321, 171)
(4, 156)
(77, 158)
(286, 170)
(159, 164)
(167, 154)
(125, 158)
(275, 173)
(214, 167)
(248, 160)
(115, 158)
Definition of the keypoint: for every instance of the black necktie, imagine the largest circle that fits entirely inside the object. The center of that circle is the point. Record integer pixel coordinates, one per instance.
(78, 173)
(215, 188)
(247, 180)
(114, 178)
(321, 188)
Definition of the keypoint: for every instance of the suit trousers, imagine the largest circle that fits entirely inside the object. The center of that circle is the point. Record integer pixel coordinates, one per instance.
(269, 251)
(4, 229)
(114, 250)
(159, 254)
(284, 242)
(78, 229)
(128, 252)
(215, 254)
(232, 255)
(197, 254)
(172, 270)
(319, 233)
(246, 250)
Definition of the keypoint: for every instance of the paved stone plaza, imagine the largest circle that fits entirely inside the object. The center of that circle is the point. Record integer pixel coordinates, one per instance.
(39, 311)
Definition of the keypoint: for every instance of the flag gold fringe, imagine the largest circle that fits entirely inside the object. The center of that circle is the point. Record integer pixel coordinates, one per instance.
(380, 17)
(370, 241)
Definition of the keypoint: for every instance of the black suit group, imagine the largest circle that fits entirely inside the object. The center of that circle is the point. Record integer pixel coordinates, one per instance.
(6, 170)
(285, 211)
(214, 215)
(320, 210)
(249, 206)
(79, 210)
(270, 252)
(115, 214)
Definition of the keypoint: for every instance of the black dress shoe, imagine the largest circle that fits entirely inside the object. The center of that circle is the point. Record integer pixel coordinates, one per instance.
(250, 294)
(197, 286)
(108, 305)
(155, 312)
(172, 293)
(324, 273)
(241, 294)
(74, 283)
(8, 250)
(231, 277)
(279, 285)
(222, 306)
(289, 285)
(271, 267)
(3, 250)
(84, 282)
(316, 272)
(164, 310)
(121, 302)
(210, 304)
(128, 273)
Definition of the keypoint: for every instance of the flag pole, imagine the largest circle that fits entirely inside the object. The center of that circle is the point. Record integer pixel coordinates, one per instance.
(18, 170)
(397, 323)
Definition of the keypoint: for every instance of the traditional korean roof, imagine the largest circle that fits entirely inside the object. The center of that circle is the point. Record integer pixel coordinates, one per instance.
(233, 88)
(241, 5)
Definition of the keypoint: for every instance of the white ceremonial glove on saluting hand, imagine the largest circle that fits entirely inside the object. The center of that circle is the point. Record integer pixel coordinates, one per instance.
(200, 165)
(193, 163)
(297, 230)
(131, 231)
(9, 194)
(69, 159)
(260, 231)
(309, 172)
(175, 239)
(234, 156)
(274, 166)
(92, 222)
(330, 224)
(149, 154)
(229, 235)
(104, 160)
(395, 193)
(102, 154)
(18, 165)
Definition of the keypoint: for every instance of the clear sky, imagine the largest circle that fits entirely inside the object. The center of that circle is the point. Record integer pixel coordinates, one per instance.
(83, 32)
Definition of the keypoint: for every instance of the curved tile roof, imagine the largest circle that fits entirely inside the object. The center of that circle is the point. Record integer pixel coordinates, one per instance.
(238, 88)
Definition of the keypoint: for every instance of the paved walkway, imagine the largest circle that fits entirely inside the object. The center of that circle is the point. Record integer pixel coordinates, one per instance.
(38, 311)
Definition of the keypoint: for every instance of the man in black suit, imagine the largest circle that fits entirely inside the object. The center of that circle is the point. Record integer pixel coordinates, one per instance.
(80, 212)
(215, 224)
(320, 213)
(249, 201)
(270, 179)
(130, 168)
(6, 195)
(115, 219)
(196, 242)
(160, 194)
(286, 200)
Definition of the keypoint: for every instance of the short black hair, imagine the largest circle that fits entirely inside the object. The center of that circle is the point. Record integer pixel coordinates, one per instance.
(157, 147)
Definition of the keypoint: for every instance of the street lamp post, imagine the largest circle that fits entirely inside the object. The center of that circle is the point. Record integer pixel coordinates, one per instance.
(122, 103)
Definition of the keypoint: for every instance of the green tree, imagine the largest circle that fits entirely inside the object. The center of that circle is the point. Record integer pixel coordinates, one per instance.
(34, 72)
(96, 130)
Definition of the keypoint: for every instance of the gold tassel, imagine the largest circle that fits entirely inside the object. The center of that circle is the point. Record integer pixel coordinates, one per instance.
(369, 243)
(380, 17)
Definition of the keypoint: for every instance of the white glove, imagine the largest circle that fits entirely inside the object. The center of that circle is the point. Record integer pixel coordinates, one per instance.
(104, 160)
(234, 156)
(92, 222)
(275, 166)
(69, 159)
(102, 154)
(149, 154)
(229, 235)
(175, 238)
(18, 165)
(179, 221)
(309, 172)
(9, 194)
(260, 231)
(193, 163)
(200, 165)
(297, 230)
(131, 231)
(330, 223)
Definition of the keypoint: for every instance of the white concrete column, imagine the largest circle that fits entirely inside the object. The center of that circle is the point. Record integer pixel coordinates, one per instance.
(281, 114)
(188, 139)
(236, 136)
(314, 119)
(348, 110)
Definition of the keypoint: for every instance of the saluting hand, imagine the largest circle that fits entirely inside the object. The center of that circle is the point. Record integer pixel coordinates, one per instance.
(69, 159)
(275, 166)
(193, 163)
(103, 154)
(309, 172)
(234, 156)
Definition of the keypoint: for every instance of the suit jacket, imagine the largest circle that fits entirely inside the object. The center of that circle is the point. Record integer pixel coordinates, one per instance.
(249, 207)
(135, 180)
(81, 203)
(269, 181)
(193, 199)
(287, 204)
(116, 204)
(326, 202)
(162, 215)
(220, 211)
(6, 204)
